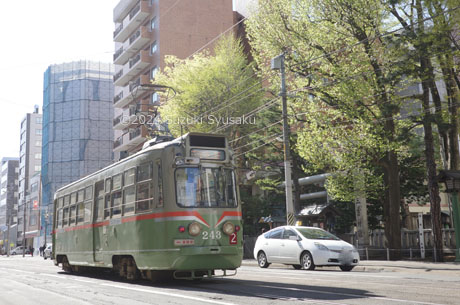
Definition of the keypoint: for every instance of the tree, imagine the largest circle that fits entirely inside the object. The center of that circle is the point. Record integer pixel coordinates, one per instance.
(348, 77)
(213, 90)
(429, 41)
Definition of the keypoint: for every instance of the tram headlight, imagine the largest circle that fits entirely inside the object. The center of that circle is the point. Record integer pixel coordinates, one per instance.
(228, 228)
(194, 229)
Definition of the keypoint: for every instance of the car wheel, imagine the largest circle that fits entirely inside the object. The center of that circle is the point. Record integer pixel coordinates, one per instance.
(297, 267)
(307, 261)
(262, 260)
(346, 268)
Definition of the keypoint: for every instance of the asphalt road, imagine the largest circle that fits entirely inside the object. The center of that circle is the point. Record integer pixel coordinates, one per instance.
(35, 281)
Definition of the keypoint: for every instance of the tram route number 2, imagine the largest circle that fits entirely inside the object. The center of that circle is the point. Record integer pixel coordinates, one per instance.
(233, 239)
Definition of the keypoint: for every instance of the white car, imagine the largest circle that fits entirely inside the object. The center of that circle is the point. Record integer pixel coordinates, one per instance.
(47, 252)
(19, 250)
(304, 247)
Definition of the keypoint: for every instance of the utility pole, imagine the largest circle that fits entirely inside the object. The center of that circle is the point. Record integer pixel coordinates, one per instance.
(278, 64)
(24, 225)
(8, 235)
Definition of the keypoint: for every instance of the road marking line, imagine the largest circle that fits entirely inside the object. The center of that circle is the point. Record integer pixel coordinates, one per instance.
(353, 295)
(319, 273)
(169, 294)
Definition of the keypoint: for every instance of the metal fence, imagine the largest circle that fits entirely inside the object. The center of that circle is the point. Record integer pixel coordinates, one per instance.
(377, 249)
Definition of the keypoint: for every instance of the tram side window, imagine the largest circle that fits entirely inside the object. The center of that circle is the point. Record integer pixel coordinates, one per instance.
(107, 206)
(72, 217)
(130, 176)
(160, 184)
(129, 191)
(129, 197)
(88, 211)
(60, 202)
(89, 192)
(80, 206)
(116, 203)
(81, 195)
(117, 182)
(80, 212)
(144, 172)
(73, 198)
(66, 200)
(108, 185)
(144, 197)
(65, 218)
(59, 218)
(99, 202)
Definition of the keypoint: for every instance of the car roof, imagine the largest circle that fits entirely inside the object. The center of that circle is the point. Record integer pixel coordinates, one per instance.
(296, 227)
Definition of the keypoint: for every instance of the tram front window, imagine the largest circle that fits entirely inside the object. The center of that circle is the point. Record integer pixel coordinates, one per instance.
(205, 187)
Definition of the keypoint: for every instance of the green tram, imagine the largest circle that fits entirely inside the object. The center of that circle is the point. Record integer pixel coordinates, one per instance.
(171, 209)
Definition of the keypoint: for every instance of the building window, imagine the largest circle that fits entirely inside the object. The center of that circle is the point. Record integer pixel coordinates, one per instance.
(153, 48)
(38, 131)
(154, 98)
(38, 143)
(153, 72)
(38, 168)
(152, 23)
(38, 120)
(38, 156)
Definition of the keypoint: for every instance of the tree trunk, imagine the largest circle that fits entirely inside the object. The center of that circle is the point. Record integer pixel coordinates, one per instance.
(433, 188)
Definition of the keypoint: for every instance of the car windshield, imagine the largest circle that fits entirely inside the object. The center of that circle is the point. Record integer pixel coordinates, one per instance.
(205, 187)
(316, 234)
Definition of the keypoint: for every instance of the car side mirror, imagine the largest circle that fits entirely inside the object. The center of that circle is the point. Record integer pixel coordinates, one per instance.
(299, 238)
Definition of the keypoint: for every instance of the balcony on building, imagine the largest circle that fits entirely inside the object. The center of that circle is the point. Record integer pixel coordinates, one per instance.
(132, 138)
(134, 66)
(134, 18)
(128, 117)
(131, 46)
(131, 91)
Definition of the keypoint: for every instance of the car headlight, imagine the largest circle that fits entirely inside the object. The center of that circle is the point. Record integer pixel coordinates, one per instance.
(194, 229)
(228, 228)
(321, 247)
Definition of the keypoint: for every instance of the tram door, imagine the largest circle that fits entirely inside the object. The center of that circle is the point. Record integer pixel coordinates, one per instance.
(98, 227)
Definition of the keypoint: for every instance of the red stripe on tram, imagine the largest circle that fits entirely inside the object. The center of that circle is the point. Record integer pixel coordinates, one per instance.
(150, 216)
(229, 213)
(164, 215)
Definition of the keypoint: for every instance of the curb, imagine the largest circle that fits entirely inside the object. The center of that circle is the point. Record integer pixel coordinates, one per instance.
(383, 266)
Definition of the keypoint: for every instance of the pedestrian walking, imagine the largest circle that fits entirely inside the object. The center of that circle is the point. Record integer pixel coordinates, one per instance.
(31, 249)
(41, 249)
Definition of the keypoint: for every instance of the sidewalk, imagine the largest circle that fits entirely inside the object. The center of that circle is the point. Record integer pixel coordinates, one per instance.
(389, 266)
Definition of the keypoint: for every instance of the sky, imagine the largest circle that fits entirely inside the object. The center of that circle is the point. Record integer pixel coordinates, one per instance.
(36, 34)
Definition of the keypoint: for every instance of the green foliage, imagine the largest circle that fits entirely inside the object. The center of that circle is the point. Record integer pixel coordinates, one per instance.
(211, 89)
(343, 97)
(255, 207)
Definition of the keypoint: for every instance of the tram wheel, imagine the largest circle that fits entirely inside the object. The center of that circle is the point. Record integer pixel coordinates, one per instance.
(132, 273)
(65, 265)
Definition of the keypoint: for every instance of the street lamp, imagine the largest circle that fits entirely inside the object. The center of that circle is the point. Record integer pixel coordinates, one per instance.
(451, 178)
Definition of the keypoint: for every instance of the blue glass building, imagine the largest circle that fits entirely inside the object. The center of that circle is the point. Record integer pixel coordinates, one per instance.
(77, 127)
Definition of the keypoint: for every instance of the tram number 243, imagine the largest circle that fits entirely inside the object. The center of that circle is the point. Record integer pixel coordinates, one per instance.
(218, 235)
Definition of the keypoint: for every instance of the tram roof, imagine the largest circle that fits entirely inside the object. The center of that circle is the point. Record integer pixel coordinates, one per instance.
(161, 145)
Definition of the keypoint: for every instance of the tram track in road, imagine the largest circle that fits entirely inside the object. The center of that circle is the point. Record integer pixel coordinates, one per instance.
(310, 293)
(328, 277)
(251, 285)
